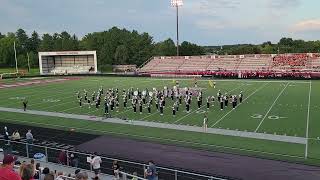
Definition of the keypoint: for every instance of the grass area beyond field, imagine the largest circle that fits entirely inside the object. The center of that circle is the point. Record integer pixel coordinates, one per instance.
(270, 107)
(33, 71)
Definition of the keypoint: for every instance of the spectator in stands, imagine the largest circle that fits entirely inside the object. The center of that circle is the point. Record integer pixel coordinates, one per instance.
(16, 136)
(81, 176)
(62, 159)
(135, 176)
(151, 173)
(6, 135)
(37, 173)
(58, 176)
(6, 171)
(95, 178)
(95, 162)
(29, 138)
(74, 160)
(27, 172)
(49, 176)
(33, 163)
(45, 172)
(116, 169)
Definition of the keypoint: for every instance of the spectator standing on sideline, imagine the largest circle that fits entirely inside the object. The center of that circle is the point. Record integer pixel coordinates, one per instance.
(6, 170)
(151, 173)
(116, 168)
(74, 160)
(29, 138)
(95, 162)
(16, 136)
(25, 102)
(6, 135)
(62, 159)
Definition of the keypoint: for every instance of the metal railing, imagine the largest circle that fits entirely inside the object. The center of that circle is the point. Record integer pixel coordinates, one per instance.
(52, 153)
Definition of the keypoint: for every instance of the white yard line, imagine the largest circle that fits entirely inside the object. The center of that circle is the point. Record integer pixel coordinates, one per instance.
(274, 102)
(308, 117)
(258, 89)
(204, 105)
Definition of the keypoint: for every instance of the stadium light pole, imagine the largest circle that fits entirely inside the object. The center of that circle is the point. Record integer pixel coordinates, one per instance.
(176, 4)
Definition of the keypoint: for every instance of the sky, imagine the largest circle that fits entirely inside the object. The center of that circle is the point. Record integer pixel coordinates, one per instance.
(205, 22)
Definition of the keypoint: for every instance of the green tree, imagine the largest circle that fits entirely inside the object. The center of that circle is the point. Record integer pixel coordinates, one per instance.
(165, 48)
(46, 43)
(34, 42)
(22, 41)
(121, 55)
(2, 36)
(190, 49)
(6, 51)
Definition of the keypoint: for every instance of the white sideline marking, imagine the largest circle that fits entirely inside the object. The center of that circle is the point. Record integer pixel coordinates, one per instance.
(162, 139)
(252, 135)
(271, 106)
(239, 105)
(307, 129)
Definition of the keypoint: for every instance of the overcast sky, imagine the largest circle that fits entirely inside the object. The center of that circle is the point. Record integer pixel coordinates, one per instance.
(206, 22)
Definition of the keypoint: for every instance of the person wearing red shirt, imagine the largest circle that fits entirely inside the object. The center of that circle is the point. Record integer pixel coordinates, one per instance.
(6, 170)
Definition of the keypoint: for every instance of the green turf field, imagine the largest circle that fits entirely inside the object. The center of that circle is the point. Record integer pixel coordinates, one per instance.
(286, 108)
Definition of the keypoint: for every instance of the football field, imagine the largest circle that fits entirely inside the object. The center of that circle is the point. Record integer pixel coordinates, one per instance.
(277, 119)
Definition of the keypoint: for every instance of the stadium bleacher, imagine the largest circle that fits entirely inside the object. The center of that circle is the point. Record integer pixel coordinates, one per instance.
(234, 63)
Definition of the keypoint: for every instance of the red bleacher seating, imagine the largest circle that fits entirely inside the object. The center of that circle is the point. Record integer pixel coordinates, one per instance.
(234, 63)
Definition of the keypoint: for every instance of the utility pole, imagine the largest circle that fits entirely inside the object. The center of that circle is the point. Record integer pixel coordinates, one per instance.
(15, 55)
(28, 63)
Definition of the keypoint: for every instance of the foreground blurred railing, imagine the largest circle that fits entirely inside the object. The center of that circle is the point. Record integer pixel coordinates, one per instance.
(51, 154)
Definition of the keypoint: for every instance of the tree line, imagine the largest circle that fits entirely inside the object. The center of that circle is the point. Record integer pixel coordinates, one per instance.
(121, 46)
(114, 46)
(285, 45)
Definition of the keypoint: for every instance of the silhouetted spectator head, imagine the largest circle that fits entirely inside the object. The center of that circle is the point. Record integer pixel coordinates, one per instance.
(151, 162)
(77, 171)
(46, 170)
(27, 172)
(9, 160)
(82, 176)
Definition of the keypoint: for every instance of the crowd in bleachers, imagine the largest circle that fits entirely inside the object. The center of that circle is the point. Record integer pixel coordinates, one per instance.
(290, 60)
(12, 169)
(33, 171)
(233, 63)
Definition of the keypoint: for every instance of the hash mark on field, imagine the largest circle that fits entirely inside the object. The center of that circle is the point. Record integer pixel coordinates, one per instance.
(239, 105)
(271, 106)
(308, 117)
